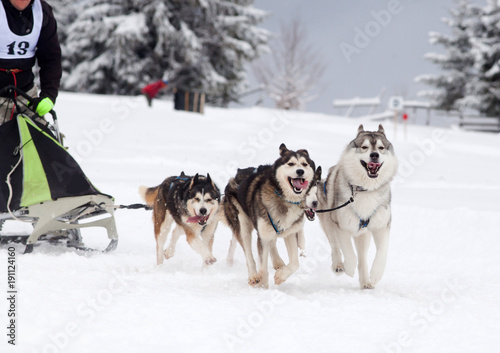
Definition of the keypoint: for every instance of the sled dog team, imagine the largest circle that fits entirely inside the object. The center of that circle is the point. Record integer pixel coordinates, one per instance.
(275, 199)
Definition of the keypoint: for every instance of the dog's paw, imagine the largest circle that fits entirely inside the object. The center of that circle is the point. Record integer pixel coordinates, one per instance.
(281, 276)
(367, 285)
(279, 264)
(263, 285)
(376, 275)
(264, 282)
(210, 260)
(254, 280)
(338, 269)
(350, 267)
(169, 253)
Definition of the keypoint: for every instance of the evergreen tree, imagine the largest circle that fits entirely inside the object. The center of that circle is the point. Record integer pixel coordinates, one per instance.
(456, 63)
(471, 63)
(483, 89)
(118, 46)
(65, 12)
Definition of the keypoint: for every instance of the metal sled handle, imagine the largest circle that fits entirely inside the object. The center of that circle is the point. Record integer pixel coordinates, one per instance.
(10, 89)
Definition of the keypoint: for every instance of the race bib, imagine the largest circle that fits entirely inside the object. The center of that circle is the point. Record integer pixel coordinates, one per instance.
(13, 46)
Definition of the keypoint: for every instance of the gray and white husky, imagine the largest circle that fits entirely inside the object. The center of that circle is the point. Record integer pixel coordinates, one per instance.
(364, 172)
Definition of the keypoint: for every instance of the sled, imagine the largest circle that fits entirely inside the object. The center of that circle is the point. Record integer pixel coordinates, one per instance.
(41, 184)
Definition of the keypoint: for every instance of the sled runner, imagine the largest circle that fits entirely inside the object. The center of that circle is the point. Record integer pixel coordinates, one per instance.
(41, 184)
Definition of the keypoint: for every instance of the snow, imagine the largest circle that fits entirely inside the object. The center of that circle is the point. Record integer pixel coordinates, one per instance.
(132, 26)
(439, 292)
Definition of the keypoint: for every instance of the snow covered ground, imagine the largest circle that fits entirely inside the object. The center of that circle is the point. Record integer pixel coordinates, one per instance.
(439, 292)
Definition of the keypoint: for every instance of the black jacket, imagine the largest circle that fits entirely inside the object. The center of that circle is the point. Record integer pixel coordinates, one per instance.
(48, 52)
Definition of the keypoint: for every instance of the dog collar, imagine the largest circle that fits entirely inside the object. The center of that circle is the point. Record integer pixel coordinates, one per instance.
(298, 203)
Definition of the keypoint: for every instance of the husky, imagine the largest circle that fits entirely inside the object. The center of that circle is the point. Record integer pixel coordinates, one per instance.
(271, 200)
(364, 172)
(310, 205)
(192, 203)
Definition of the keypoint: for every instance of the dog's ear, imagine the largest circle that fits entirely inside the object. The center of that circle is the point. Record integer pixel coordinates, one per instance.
(317, 173)
(209, 179)
(361, 129)
(283, 149)
(182, 175)
(381, 129)
(194, 180)
(303, 152)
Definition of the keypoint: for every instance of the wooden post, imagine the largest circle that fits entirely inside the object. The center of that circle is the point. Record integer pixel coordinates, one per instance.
(186, 101)
(195, 102)
(202, 103)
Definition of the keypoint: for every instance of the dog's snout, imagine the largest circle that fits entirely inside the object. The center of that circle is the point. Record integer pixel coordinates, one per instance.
(300, 172)
(203, 211)
(374, 155)
(315, 204)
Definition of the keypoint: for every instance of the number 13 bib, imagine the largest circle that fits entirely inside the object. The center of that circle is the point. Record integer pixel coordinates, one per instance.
(13, 46)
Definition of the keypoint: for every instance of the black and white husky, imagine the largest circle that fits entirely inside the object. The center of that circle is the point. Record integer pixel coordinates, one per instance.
(364, 172)
(271, 200)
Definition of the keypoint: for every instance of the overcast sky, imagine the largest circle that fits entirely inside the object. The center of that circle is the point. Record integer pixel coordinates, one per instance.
(367, 45)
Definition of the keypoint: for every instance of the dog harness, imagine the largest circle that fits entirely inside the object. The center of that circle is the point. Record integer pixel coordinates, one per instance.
(178, 178)
(363, 223)
(277, 227)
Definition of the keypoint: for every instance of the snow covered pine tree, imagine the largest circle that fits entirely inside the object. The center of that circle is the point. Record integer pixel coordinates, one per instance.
(471, 64)
(456, 63)
(116, 47)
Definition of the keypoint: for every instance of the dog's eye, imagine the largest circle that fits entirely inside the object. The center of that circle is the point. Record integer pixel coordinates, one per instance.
(291, 164)
(208, 200)
(197, 199)
(304, 164)
(364, 148)
(381, 148)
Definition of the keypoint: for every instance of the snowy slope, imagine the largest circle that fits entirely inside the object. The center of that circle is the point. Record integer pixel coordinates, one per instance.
(439, 293)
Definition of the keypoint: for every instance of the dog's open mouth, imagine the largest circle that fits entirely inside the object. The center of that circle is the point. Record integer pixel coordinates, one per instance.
(372, 168)
(298, 184)
(201, 220)
(310, 213)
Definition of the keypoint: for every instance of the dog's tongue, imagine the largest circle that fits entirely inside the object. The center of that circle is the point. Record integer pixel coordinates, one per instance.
(300, 183)
(373, 167)
(197, 219)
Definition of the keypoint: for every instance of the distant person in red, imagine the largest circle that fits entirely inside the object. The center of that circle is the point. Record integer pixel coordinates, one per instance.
(151, 90)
